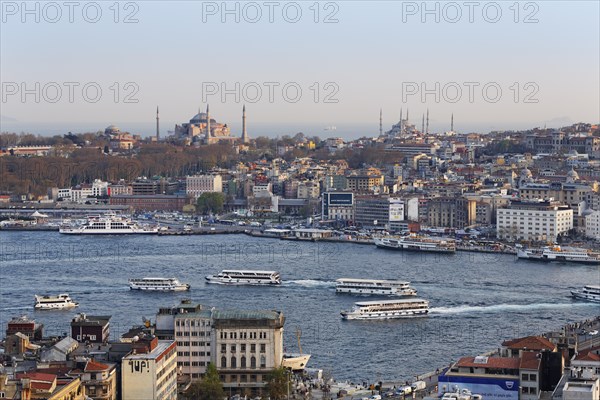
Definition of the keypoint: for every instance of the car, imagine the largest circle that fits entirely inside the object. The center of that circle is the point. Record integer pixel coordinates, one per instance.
(593, 333)
(375, 397)
(404, 390)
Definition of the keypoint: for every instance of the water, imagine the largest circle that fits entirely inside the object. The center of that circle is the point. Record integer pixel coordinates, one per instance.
(477, 300)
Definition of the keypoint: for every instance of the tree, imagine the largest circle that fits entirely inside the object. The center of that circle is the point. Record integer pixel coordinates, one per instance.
(210, 202)
(278, 383)
(209, 388)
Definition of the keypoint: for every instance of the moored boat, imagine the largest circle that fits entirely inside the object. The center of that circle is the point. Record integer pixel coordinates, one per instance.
(559, 253)
(295, 361)
(108, 224)
(414, 242)
(158, 284)
(245, 277)
(387, 309)
(374, 287)
(589, 292)
(60, 302)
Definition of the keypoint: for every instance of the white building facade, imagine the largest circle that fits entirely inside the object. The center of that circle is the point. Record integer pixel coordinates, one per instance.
(198, 184)
(533, 221)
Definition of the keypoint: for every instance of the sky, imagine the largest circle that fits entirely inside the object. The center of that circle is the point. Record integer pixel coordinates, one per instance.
(298, 66)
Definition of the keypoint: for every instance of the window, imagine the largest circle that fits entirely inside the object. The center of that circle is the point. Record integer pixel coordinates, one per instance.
(252, 348)
(243, 362)
(263, 348)
(263, 362)
(223, 348)
(233, 348)
(223, 362)
(233, 362)
(252, 362)
(525, 377)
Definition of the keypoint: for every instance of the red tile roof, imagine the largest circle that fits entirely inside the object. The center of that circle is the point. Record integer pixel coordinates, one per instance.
(530, 360)
(37, 376)
(530, 343)
(92, 365)
(492, 362)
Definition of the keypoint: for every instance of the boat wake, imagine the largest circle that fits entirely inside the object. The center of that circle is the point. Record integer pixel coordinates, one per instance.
(502, 308)
(17, 308)
(309, 283)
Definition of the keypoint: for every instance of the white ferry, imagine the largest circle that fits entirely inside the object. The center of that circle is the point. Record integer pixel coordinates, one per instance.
(558, 253)
(386, 309)
(374, 286)
(60, 302)
(108, 224)
(414, 242)
(589, 292)
(158, 285)
(245, 277)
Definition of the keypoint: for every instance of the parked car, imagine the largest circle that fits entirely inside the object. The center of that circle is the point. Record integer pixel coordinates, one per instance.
(418, 385)
(405, 390)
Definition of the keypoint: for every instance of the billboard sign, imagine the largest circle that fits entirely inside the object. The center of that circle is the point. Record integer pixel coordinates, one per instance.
(488, 388)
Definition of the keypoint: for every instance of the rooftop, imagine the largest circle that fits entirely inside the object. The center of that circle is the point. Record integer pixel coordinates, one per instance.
(529, 343)
(160, 348)
(490, 362)
(246, 315)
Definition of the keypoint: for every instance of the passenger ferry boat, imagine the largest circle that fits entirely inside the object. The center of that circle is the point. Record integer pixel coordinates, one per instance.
(558, 253)
(386, 309)
(414, 242)
(245, 277)
(158, 285)
(60, 302)
(108, 224)
(589, 292)
(374, 286)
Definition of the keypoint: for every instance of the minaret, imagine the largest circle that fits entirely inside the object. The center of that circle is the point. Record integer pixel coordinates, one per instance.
(244, 133)
(452, 123)
(381, 122)
(157, 131)
(207, 123)
(427, 126)
(407, 115)
(401, 122)
(423, 124)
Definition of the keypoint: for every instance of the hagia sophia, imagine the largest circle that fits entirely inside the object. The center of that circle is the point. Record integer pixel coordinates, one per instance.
(202, 129)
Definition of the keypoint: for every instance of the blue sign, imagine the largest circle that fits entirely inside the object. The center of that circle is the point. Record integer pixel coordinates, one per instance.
(488, 388)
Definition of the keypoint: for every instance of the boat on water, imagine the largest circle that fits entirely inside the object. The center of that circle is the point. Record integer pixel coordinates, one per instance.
(295, 361)
(387, 309)
(558, 253)
(60, 302)
(415, 242)
(108, 224)
(245, 277)
(374, 286)
(158, 285)
(589, 292)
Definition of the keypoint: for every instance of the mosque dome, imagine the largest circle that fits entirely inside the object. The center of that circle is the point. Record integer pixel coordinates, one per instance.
(572, 176)
(112, 130)
(526, 173)
(198, 118)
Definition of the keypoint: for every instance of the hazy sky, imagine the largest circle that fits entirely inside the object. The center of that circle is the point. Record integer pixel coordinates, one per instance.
(377, 55)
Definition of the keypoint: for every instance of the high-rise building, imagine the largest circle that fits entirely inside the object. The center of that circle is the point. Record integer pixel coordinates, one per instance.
(149, 371)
